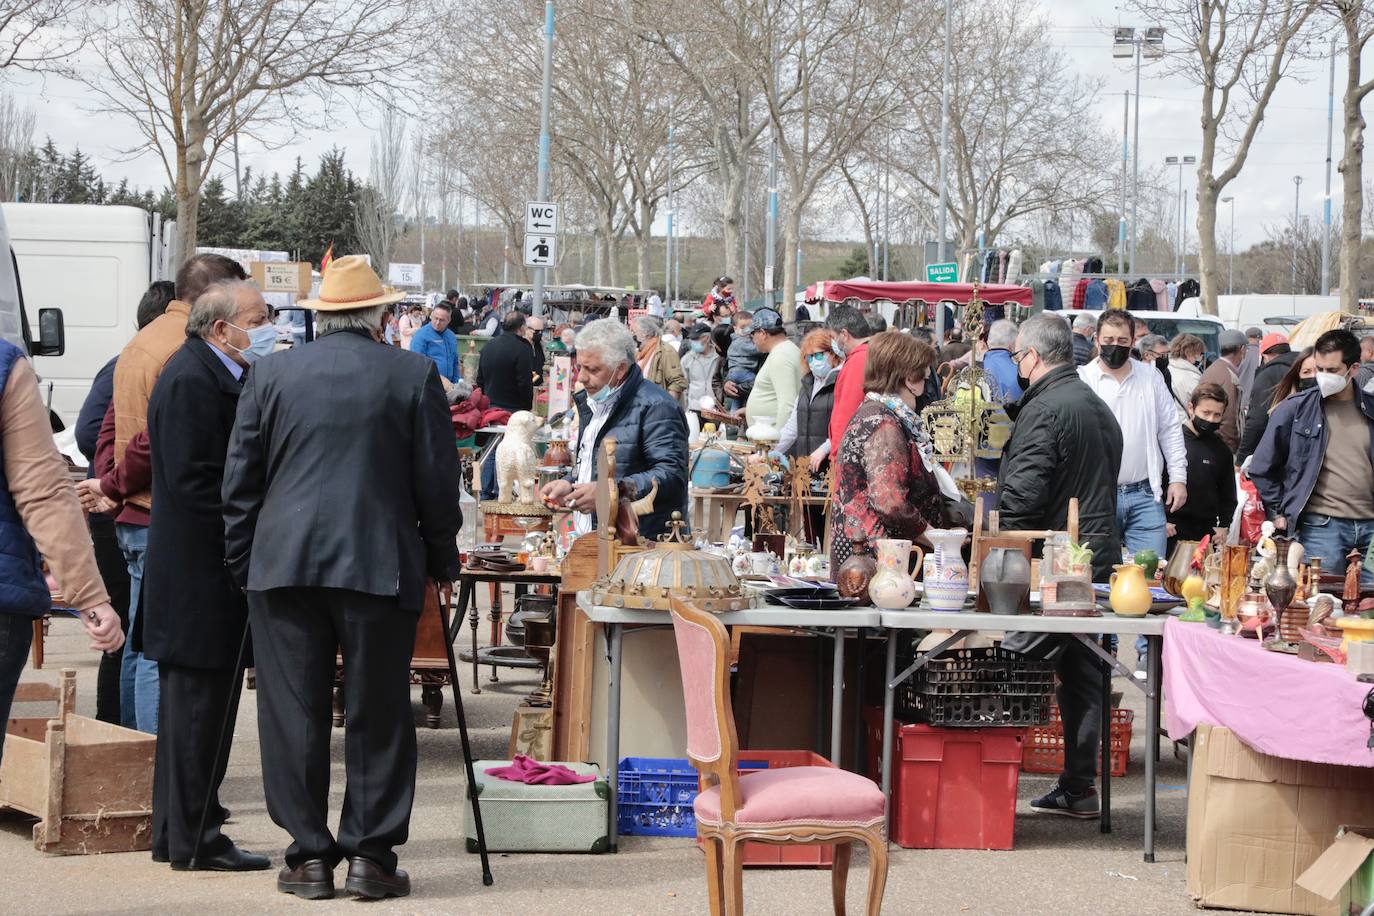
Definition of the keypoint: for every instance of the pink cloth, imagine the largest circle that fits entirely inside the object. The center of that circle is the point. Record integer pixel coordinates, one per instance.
(533, 773)
(798, 794)
(1275, 703)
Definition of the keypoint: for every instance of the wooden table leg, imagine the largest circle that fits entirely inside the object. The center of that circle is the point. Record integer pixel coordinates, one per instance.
(37, 650)
(495, 618)
(467, 603)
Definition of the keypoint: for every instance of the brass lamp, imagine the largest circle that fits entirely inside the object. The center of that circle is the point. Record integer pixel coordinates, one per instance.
(673, 566)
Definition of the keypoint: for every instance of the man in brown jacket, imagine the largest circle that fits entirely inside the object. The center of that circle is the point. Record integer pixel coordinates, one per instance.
(140, 363)
(1226, 373)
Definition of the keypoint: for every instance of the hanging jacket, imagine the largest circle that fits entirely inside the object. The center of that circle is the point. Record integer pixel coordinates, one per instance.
(1014, 266)
(1188, 289)
(1080, 293)
(1053, 300)
(1095, 296)
(1116, 294)
(1140, 297)
(1161, 292)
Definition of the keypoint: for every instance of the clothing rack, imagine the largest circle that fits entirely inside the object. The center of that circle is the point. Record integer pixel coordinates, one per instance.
(1132, 277)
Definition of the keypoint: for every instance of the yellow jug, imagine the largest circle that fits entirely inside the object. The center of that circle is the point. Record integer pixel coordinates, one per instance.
(1130, 596)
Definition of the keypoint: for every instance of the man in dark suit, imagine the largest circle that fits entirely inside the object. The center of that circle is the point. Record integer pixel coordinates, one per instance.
(334, 547)
(505, 373)
(194, 617)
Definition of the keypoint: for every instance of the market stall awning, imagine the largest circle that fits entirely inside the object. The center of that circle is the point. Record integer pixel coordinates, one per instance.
(874, 291)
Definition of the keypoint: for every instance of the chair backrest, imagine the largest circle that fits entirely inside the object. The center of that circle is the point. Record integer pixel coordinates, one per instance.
(703, 652)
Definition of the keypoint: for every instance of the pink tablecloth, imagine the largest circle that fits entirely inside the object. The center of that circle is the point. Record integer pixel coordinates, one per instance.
(1276, 703)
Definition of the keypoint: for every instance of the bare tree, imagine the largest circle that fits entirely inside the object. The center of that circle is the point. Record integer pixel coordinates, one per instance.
(1023, 133)
(191, 74)
(1236, 51)
(380, 201)
(16, 143)
(1356, 20)
(40, 34)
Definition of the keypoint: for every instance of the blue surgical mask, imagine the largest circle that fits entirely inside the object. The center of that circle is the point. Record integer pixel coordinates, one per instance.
(261, 341)
(604, 394)
(819, 363)
(837, 349)
(698, 347)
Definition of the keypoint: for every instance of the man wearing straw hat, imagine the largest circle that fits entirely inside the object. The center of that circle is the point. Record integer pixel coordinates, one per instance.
(334, 548)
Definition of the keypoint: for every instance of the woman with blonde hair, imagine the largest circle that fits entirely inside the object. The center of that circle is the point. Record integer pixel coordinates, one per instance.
(885, 481)
(1185, 365)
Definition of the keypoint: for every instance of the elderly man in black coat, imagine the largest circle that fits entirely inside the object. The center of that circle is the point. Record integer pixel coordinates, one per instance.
(340, 498)
(1065, 443)
(194, 616)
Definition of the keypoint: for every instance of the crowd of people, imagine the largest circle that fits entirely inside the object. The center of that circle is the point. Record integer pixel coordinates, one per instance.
(234, 490)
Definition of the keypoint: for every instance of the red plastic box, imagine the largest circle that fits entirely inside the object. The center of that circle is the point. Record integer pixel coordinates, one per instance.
(1045, 744)
(952, 788)
(766, 854)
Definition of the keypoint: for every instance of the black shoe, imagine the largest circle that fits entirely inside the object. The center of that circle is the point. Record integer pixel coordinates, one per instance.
(311, 880)
(369, 880)
(1059, 801)
(232, 859)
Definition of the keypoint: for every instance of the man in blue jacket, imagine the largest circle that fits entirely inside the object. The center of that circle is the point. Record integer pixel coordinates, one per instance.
(437, 342)
(647, 424)
(1314, 467)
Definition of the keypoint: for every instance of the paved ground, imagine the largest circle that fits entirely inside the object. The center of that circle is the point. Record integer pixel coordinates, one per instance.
(1059, 867)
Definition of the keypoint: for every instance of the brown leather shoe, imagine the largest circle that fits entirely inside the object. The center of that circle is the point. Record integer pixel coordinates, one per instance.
(313, 879)
(369, 880)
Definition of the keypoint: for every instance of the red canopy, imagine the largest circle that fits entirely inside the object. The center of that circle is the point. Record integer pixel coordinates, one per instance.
(873, 290)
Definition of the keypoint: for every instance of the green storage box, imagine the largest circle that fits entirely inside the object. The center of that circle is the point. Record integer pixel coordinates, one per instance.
(522, 818)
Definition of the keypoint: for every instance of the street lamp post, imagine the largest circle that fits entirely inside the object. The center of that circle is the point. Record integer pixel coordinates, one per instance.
(1181, 161)
(1297, 191)
(1231, 267)
(1126, 44)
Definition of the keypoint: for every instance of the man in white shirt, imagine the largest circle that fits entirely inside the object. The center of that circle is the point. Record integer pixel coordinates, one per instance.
(1151, 432)
(655, 305)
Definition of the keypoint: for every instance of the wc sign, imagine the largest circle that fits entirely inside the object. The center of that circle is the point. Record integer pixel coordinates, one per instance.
(541, 218)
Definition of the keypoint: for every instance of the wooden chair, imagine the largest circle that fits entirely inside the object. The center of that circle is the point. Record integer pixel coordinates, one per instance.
(795, 805)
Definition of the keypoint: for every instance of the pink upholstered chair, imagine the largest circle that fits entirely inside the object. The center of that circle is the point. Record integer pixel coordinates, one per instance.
(795, 805)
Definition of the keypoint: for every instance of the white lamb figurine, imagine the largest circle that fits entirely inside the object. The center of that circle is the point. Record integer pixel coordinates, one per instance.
(516, 463)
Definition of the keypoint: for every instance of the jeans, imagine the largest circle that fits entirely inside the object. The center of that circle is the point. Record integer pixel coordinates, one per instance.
(138, 687)
(1140, 519)
(489, 488)
(16, 636)
(1332, 538)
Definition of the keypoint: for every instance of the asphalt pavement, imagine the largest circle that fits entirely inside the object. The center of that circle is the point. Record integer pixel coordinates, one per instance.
(1059, 867)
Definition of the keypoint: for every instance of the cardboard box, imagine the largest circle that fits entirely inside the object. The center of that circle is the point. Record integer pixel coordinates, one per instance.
(1255, 823)
(1345, 872)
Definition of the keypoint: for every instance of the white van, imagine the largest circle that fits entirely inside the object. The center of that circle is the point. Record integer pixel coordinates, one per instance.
(1249, 310)
(1171, 324)
(94, 263)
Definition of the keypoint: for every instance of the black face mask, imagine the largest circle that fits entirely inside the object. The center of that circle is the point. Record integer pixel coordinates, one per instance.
(1114, 355)
(1303, 384)
(1161, 363)
(1205, 427)
(1021, 376)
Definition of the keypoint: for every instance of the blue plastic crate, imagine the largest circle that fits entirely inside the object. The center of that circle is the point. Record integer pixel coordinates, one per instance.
(654, 795)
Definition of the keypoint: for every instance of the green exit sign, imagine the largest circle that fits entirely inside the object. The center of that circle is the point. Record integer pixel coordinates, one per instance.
(942, 273)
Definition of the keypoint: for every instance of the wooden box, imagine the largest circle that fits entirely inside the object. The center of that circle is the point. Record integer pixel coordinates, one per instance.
(89, 783)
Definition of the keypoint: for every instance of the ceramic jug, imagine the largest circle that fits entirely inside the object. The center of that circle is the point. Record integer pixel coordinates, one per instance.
(946, 575)
(1130, 596)
(854, 574)
(892, 588)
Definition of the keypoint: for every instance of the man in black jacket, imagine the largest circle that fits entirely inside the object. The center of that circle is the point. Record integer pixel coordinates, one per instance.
(505, 373)
(330, 531)
(193, 618)
(1276, 358)
(1065, 443)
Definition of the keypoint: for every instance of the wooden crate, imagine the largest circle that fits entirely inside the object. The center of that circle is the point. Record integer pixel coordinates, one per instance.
(89, 783)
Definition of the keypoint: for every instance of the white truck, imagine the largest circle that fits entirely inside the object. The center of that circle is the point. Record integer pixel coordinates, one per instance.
(81, 271)
(1250, 310)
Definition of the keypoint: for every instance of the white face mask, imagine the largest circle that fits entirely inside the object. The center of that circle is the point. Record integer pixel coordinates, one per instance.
(1331, 383)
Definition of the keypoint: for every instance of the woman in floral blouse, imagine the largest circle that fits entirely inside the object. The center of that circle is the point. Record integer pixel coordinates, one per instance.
(885, 485)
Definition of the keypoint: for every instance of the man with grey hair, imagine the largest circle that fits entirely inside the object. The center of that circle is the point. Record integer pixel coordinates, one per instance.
(645, 421)
(1084, 329)
(193, 616)
(1065, 443)
(338, 549)
(997, 361)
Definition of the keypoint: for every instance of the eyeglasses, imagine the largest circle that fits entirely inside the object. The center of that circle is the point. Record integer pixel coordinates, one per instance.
(1019, 355)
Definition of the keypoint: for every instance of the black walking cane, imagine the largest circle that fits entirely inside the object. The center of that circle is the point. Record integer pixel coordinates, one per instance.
(463, 733)
(225, 731)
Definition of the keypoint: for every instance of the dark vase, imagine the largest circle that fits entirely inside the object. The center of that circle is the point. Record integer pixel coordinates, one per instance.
(557, 455)
(855, 573)
(1005, 579)
(1280, 586)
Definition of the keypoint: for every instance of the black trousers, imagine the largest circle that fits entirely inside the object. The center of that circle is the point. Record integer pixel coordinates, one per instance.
(295, 635)
(194, 704)
(114, 572)
(1080, 700)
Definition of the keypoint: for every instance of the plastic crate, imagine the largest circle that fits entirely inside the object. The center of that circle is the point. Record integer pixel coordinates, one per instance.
(766, 854)
(654, 796)
(978, 688)
(1045, 744)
